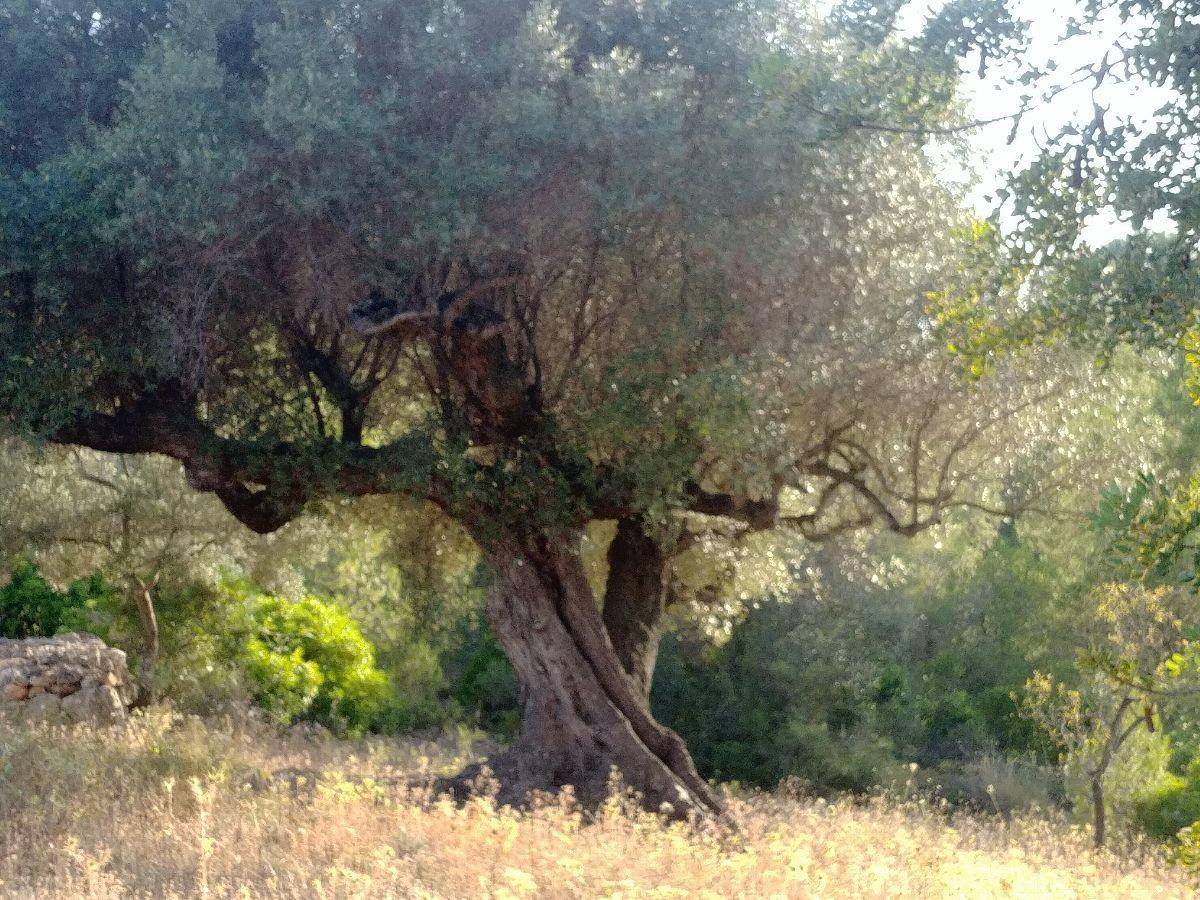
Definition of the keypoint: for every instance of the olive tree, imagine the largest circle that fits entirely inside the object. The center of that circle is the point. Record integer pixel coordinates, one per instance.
(135, 520)
(536, 265)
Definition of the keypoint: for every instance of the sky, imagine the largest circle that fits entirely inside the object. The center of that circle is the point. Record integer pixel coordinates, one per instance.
(994, 96)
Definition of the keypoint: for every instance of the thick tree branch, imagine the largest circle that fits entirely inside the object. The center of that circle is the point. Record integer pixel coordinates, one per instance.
(758, 514)
(264, 485)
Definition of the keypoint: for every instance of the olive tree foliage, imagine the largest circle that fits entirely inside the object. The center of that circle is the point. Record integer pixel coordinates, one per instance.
(135, 518)
(536, 265)
(1101, 217)
(1130, 160)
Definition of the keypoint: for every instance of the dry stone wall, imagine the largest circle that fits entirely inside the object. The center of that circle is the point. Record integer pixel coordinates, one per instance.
(70, 676)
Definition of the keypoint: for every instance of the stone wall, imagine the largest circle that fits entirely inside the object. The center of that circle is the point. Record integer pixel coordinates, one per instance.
(70, 676)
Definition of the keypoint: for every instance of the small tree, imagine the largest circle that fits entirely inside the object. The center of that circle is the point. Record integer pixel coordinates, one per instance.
(1139, 657)
(134, 519)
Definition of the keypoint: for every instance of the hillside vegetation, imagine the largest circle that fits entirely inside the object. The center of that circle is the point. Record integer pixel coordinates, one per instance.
(170, 806)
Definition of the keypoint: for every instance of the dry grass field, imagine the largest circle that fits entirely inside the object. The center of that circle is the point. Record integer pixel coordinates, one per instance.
(171, 807)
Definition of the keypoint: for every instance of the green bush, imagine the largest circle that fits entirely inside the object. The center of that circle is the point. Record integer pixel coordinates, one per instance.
(31, 607)
(1173, 805)
(845, 690)
(485, 684)
(306, 660)
(777, 701)
(229, 644)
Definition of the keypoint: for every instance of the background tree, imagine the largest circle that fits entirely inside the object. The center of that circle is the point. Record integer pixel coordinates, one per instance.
(1135, 285)
(135, 520)
(1140, 657)
(536, 266)
(1104, 221)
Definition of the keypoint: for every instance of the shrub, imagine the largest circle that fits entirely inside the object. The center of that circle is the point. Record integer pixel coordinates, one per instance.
(486, 684)
(306, 659)
(770, 711)
(995, 784)
(1173, 805)
(31, 607)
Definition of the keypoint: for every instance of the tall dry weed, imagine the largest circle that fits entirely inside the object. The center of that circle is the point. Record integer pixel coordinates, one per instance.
(172, 807)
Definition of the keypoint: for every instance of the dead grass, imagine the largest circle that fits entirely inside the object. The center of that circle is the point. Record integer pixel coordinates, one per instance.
(175, 807)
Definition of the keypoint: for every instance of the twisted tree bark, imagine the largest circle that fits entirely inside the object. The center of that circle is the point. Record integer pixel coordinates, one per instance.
(581, 714)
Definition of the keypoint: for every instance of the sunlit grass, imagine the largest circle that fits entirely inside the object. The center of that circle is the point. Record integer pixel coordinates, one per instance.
(175, 807)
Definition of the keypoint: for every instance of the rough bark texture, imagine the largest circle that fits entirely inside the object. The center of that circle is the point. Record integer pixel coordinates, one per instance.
(635, 599)
(581, 714)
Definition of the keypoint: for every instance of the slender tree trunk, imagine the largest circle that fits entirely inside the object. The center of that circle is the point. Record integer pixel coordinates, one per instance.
(635, 599)
(581, 713)
(1098, 813)
(1118, 733)
(150, 647)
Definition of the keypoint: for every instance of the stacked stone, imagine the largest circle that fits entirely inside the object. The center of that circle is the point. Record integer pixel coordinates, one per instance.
(70, 676)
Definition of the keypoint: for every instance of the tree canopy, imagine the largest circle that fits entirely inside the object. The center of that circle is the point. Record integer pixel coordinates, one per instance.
(193, 249)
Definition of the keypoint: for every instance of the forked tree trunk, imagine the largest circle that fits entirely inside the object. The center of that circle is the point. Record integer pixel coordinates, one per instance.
(581, 714)
(635, 600)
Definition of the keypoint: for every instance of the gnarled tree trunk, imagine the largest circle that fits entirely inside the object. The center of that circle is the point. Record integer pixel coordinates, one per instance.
(635, 600)
(581, 714)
